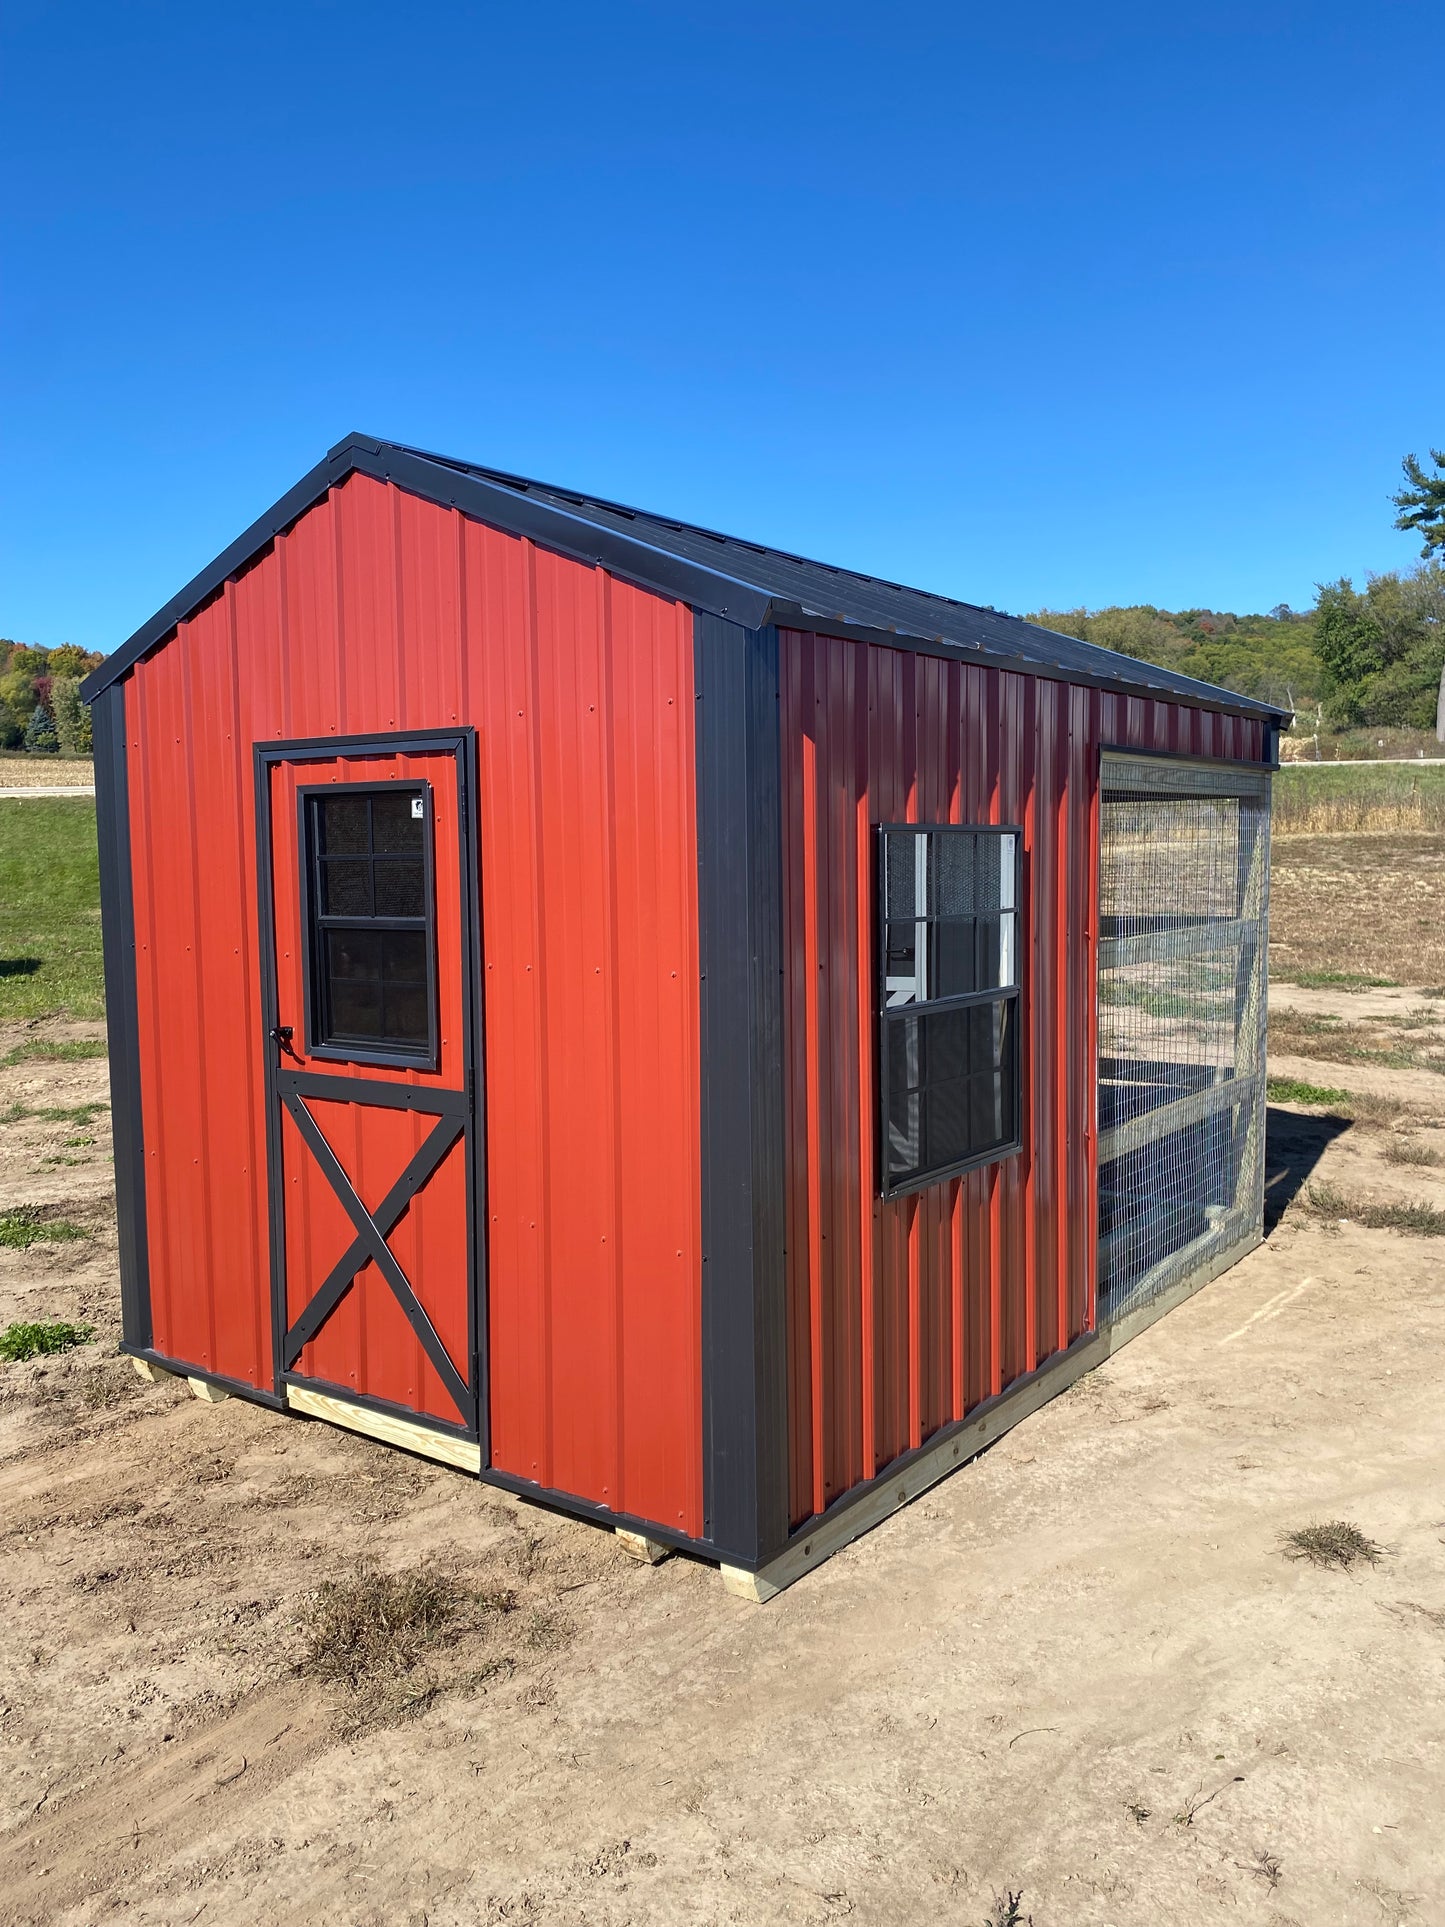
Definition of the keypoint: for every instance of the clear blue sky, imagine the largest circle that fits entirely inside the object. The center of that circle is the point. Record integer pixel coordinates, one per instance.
(1036, 305)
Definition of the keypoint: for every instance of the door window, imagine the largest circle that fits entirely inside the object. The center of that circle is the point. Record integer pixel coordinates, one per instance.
(370, 920)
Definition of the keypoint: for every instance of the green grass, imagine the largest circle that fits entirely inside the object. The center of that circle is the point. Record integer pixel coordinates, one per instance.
(53, 1113)
(40, 1341)
(1294, 1090)
(1334, 980)
(1321, 799)
(49, 909)
(51, 1050)
(23, 1226)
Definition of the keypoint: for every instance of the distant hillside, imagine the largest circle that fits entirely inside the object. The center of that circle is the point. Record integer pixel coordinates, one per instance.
(1370, 658)
(1271, 657)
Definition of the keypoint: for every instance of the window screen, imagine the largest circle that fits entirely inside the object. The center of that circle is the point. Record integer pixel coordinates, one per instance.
(949, 1072)
(370, 912)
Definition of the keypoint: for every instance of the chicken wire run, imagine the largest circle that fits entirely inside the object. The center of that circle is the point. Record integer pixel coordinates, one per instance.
(1182, 899)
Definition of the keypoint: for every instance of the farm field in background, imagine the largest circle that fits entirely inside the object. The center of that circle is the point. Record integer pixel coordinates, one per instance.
(19, 771)
(1329, 799)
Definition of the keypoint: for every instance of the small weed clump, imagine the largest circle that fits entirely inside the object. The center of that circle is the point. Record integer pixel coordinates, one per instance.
(1007, 1911)
(371, 1632)
(41, 1340)
(1294, 1090)
(1336, 1543)
(1422, 1220)
(377, 1622)
(24, 1226)
(1404, 1150)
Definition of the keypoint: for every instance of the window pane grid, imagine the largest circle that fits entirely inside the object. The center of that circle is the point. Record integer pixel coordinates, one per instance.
(950, 1074)
(371, 938)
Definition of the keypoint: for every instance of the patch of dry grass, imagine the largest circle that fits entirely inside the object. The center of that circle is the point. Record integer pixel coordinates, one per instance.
(372, 1633)
(1375, 1041)
(1373, 1110)
(1332, 1542)
(1361, 906)
(1404, 1150)
(1415, 1216)
(1335, 798)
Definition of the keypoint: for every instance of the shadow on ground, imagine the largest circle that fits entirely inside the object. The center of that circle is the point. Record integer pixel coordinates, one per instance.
(1293, 1146)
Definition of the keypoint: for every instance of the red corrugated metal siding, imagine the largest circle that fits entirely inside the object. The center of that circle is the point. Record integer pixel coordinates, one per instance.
(903, 1316)
(378, 611)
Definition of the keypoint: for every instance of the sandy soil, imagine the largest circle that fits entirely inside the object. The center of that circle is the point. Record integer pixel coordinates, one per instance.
(1388, 1042)
(1029, 1680)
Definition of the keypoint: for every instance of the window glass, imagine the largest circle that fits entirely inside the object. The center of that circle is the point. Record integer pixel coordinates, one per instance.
(948, 997)
(371, 926)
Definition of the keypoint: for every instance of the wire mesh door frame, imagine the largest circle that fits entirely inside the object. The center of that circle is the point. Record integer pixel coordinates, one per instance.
(1181, 1002)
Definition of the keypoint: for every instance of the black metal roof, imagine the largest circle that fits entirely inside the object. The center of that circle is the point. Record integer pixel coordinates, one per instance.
(744, 581)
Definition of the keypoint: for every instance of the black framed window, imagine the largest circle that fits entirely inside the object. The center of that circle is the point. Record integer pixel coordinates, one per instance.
(949, 1070)
(371, 916)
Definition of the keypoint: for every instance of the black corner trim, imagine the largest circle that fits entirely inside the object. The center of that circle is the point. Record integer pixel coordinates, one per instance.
(117, 935)
(744, 1307)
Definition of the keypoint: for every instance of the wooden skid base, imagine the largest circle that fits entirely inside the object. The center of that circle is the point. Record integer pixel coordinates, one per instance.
(152, 1373)
(895, 1489)
(651, 1551)
(466, 1454)
(956, 1448)
(210, 1394)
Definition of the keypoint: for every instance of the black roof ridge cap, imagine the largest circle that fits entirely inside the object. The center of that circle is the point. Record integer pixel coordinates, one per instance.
(499, 492)
(523, 482)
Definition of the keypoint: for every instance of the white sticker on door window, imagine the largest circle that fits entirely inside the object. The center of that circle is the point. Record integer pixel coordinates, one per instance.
(418, 807)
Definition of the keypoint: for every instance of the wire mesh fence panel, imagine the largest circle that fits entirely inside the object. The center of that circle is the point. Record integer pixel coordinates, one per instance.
(1183, 900)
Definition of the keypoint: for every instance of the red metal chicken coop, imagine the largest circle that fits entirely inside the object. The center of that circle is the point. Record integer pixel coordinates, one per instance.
(694, 1036)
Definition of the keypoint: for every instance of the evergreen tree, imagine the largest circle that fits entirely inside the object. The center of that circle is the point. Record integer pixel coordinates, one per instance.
(40, 732)
(1422, 502)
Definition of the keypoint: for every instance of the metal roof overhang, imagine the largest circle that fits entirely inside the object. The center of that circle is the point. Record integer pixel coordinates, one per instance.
(629, 557)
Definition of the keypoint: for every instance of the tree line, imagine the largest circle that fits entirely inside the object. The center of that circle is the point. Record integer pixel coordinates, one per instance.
(1369, 657)
(40, 706)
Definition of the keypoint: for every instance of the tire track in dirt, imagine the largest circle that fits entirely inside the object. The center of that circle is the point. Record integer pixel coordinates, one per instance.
(146, 1812)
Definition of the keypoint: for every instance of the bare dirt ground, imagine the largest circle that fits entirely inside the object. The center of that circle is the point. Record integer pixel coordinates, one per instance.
(1082, 1669)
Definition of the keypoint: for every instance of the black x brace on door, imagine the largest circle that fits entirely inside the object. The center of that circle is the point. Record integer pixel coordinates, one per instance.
(459, 1113)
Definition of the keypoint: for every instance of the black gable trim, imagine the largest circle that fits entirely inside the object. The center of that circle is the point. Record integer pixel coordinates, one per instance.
(503, 508)
(676, 560)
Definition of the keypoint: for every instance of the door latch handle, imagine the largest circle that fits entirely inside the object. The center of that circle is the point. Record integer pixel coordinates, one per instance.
(281, 1035)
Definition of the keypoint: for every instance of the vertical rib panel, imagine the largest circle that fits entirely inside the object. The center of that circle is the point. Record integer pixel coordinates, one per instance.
(378, 612)
(904, 1315)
